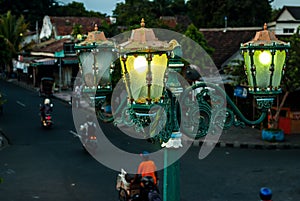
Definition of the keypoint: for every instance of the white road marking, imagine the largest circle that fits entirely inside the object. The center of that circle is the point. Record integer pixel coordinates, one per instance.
(20, 103)
(74, 133)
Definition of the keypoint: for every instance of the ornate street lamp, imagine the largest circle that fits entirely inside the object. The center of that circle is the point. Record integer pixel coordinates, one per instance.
(96, 64)
(144, 63)
(264, 62)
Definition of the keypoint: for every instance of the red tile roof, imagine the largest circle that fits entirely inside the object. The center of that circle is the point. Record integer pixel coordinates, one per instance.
(227, 43)
(50, 46)
(64, 25)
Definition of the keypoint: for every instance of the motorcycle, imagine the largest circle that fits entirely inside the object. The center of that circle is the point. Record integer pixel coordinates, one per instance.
(88, 137)
(45, 113)
(47, 121)
(90, 144)
(141, 190)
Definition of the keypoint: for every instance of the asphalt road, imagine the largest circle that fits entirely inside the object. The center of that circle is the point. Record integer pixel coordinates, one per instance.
(50, 164)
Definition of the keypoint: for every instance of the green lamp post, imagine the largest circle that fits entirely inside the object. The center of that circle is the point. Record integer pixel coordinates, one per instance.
(150, 77)
(96, 64)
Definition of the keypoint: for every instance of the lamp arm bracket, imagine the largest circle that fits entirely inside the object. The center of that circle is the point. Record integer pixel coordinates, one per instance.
(213, 110)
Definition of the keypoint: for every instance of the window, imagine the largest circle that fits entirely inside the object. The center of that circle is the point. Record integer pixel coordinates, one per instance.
(286, 30)
(69, 48)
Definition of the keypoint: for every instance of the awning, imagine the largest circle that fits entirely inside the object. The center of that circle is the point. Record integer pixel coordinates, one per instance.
(70, 61)
(45, 61)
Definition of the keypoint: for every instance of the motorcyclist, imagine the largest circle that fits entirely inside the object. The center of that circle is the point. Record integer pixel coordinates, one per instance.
(147, 167)
(147, 177)
(76, 97)
(45, 108)
(88, 128)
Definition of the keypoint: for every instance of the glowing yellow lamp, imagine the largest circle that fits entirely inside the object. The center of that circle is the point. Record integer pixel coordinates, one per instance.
(264, 58)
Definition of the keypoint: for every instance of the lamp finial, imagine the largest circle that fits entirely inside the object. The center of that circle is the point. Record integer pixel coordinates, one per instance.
(142, 22)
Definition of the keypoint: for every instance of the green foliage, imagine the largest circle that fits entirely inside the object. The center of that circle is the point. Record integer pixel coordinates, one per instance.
(35, 10)
(193, 33)
(200, 56)
(130, 13)
(77, 30)
(5, 54)
(238, 12)
(291, 80)
(12, 30)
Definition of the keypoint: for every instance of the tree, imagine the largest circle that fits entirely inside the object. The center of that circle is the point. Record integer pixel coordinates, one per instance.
(212, 13)
(200, 57)
(193, 33)
(130, 13)
(35, 10)
(12, 30)
(291, 81)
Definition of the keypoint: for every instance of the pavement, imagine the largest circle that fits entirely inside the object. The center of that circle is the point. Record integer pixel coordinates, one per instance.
(235, 137)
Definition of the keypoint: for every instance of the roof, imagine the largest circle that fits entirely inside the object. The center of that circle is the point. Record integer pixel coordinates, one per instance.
(50, 46)
(293, 10)
(173, 21)
(170, 21)
(226, 42)
(64, 25)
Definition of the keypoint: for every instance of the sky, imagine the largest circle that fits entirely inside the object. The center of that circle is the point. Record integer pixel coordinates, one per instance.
(107, 6)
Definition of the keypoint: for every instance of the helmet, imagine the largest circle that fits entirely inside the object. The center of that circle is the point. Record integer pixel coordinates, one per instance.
(47, 101)
(145, 155)
(147, 182)
(265, 193)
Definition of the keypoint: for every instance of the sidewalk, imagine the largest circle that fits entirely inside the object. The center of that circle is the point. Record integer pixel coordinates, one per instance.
(234, 137)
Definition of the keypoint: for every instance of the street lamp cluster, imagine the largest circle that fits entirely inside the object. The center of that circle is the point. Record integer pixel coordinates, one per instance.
(151, 80)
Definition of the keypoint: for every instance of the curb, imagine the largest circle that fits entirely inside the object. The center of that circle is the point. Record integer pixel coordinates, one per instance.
(245, 145)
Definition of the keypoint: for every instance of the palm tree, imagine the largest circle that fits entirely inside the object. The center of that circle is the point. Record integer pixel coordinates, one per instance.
(12, 30)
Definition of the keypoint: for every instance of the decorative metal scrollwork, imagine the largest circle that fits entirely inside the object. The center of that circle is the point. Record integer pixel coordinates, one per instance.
(207, 108)
(203, 108)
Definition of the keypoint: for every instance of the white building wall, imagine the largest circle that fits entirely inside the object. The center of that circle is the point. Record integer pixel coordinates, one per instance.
(281, 26)
(47, 28)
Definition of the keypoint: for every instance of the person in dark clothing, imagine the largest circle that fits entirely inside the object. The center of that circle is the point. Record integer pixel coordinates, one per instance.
(45, 108)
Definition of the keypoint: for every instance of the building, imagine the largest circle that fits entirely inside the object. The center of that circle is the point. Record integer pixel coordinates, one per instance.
(53, 55)
(286, 22)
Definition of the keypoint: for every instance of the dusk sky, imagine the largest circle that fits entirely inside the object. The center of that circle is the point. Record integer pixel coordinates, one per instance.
(107, 6)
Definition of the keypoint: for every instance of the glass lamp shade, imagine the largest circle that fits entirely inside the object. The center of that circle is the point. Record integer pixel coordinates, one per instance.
(265, 58)
(95, 57)
(144, 76)
(95, 66)
(264, 69)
